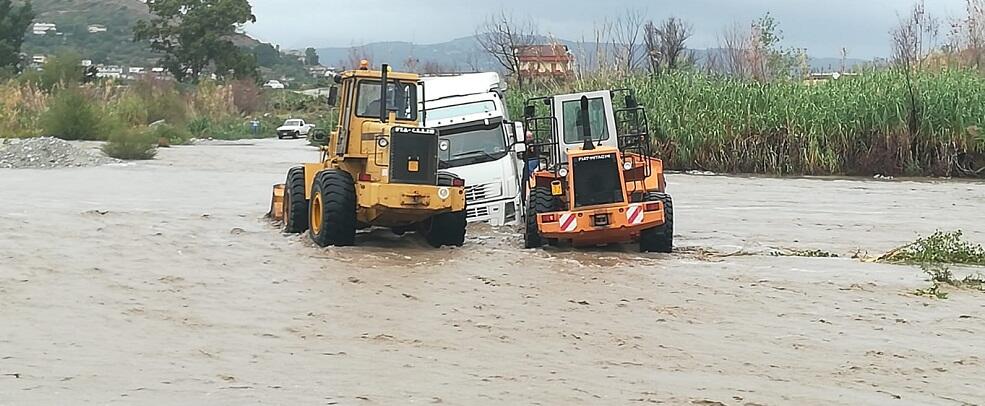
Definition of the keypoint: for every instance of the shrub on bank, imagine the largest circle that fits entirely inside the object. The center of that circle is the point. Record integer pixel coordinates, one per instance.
(71, 115)
(132, 144)
(167, 134)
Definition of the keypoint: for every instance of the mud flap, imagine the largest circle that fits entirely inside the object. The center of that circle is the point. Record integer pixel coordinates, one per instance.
(277, 204)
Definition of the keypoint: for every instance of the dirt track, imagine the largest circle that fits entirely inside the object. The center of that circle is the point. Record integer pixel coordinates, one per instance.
(160, 283)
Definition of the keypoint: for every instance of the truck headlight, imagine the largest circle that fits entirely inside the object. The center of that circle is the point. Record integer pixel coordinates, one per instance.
(563, 172)
(382, 142)
(443, 145)
(627, 165)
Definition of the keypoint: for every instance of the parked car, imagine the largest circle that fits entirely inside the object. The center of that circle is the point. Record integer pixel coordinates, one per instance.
(274, 84)
(294, 128)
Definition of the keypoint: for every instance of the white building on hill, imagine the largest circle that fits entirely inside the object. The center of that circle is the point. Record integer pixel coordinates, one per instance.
(44, 28)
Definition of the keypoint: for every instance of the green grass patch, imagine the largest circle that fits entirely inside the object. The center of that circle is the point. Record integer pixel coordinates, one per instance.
(939, 248)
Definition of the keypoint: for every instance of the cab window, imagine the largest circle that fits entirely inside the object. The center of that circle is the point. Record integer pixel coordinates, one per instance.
(401, 97)
(572, 120)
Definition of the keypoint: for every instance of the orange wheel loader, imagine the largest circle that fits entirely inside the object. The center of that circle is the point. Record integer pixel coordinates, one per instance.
(593, 177)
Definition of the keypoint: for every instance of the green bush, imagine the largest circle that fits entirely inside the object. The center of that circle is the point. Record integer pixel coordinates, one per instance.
(170, 133)
(131, 145)
(73, 116)
(940, 248)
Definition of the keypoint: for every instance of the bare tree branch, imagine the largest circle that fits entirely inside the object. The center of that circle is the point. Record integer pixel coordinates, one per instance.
(666, 43)
(503, 37)
(629, 32)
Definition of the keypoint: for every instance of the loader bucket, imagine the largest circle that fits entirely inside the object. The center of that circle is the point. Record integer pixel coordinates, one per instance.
(277, 203)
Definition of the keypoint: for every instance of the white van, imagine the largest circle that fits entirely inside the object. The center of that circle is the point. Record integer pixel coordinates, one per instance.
(470, 114)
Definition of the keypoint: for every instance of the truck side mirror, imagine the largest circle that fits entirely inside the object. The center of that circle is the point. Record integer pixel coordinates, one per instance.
(631, 102)
(529, 111)
(333, 96)
(520, 132)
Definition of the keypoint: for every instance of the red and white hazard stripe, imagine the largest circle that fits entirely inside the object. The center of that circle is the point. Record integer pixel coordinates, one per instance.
(635, 214)
(569, 222)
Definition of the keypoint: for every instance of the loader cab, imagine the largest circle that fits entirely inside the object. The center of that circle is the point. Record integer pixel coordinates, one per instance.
(367, 109)
(601, 121)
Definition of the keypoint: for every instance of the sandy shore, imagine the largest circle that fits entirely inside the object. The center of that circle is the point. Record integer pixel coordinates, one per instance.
(160, 283)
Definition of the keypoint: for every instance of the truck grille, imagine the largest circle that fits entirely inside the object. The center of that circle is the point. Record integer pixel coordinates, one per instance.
(414, 156)
(478, 193)
(477, 212)
(596, 179)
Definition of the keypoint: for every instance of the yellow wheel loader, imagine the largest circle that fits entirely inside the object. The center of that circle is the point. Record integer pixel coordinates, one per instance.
(379, 168)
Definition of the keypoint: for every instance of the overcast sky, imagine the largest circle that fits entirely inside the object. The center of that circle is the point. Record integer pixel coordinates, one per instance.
(821, 26)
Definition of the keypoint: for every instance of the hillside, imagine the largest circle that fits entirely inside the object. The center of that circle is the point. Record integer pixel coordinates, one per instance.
(114, 46)
(464, 54)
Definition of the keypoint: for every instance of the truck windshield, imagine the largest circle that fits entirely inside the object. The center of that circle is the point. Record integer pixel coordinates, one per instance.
(400, 96)
(292, 123)
(460, 110)
(473, 144)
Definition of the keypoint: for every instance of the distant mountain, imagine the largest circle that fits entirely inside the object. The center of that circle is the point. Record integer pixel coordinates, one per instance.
(464, 54)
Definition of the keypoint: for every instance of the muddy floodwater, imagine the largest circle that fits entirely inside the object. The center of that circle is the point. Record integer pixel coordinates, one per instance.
(161, 283)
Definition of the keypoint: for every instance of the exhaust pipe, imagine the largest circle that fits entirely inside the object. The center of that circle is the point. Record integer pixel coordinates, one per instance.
(383, 85)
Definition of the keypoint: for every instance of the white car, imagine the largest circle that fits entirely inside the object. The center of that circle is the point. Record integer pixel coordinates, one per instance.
(294, 128)
(274, 84)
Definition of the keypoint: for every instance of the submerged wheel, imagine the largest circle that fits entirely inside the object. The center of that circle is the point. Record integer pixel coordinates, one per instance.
(295, 205)
(446, 229)
(540, 202)
(661, 238)
(332, 214)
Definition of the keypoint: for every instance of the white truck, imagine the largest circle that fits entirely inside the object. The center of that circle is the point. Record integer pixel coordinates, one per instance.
(478, 142)
(294, 128)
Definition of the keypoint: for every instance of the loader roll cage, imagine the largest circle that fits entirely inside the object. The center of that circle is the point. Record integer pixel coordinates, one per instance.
(632, 129)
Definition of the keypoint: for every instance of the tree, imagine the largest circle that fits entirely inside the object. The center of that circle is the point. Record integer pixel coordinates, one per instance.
(13, 28)
(772, 60)
(504, 37)
(62, 70)
(735, 43)
(915, 38)
(266, 55)
(311, 57)
(195, 35)
(666, 44)
(628, 31)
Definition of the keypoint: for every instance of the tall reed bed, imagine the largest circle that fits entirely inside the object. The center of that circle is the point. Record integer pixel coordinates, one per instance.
(864, 125)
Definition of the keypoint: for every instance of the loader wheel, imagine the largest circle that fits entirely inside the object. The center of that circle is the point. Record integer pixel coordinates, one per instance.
(540, 202)
(661, 238)
(446, 229)
(333, 209)
(295, 205)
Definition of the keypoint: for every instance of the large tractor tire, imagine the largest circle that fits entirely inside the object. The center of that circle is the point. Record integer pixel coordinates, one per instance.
(295, 205)
(661, 238)
(446, 228)
(333, 209)
(540, 201)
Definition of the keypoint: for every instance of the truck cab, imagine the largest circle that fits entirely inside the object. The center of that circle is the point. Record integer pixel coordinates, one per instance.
(469, 111)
